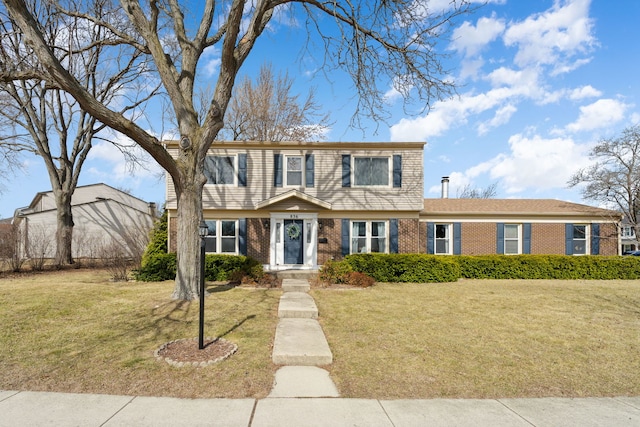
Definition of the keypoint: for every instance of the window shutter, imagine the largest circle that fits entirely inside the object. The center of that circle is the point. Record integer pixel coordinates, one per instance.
(346, 170)
(242, 236)
(568, 237)
(526, 238)
(210, 169)
(242, 170)
(595, 239)
(457, 238)
(397, 170)
(431, 231)
(393, 236)
(277, 170)
(345, 237)
(500, 238)
(309, 170)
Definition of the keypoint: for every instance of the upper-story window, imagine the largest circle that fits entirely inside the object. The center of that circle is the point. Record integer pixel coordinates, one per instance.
(628, 232)
(294, 170)
(512, 245)
(220, 170)
(371, 171)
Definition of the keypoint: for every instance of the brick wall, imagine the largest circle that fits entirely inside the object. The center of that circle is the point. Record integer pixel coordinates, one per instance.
(608, 239)
(173, 234)
(478, 238)
(330, 229)
(408, 236)
(258, 239)
(548, 239)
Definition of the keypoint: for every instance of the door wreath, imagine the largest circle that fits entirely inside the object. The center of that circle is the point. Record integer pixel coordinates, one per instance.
(293, 231)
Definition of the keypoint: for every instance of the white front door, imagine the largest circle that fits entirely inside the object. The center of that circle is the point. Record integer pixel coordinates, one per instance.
(294, 240)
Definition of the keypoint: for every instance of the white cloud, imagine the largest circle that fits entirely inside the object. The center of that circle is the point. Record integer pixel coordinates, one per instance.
(211, 61)
(470, 39)
(501, 117)
(537, 163)
(554, 36)
(600, 114)
(582, 92)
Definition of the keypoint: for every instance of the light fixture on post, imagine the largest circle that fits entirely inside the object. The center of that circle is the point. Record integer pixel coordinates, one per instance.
(266, 223)
(203, 231)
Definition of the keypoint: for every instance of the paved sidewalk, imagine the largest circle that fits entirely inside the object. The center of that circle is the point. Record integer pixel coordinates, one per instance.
(37, 409)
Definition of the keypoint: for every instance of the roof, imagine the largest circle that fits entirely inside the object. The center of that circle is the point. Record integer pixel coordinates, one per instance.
(318, 145)
(530, 207)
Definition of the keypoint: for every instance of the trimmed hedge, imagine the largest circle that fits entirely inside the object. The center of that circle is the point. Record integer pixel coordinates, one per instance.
(162, 266)
(421, 268)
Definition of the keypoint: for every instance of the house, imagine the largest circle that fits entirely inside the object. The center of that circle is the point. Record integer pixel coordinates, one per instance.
(629, 239)
(299, 204)
(101, 214)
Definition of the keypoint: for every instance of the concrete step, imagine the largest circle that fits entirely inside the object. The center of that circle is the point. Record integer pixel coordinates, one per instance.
(295, 285)
(295, 274)
(303, 381)
(297, 305)
(300, 342)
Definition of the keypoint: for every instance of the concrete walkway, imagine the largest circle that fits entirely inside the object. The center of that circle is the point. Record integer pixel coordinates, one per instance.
(60, 409)
(300, 345)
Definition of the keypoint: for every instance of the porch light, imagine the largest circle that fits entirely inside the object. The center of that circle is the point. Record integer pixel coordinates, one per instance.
(203, 230)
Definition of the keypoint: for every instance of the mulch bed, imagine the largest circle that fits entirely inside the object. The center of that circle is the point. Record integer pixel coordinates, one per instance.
(185, 352)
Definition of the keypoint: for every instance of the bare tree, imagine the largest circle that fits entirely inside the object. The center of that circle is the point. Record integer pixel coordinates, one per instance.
(470, 192)
(42, 119)
(268, 111)
(374, 42)
(614, 177)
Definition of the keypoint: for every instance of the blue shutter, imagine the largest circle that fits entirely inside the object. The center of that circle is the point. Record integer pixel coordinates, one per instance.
(457, 238)
(345, 237)
(242, 170)
(397, 170)
(277, 170)
(568, 239)
(242, 236)
(210, 169)
(309, 165)
(346, 170)
(393, 236)
(431, 231)
(500, 238)
(595, 239)
(526, 238)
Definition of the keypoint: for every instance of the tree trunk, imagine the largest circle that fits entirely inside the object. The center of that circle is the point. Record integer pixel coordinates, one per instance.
(188, 248)
(64, 229)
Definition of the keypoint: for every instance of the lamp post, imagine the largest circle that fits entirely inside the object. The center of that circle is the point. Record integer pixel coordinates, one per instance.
(203, 230)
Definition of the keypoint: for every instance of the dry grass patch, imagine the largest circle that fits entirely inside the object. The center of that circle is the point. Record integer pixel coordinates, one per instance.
(485, 339)
(75, 331)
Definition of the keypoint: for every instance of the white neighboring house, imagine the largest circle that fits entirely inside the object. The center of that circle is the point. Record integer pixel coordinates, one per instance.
(102, 216)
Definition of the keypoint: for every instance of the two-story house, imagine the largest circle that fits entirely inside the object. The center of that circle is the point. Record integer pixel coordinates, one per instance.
(299, 204)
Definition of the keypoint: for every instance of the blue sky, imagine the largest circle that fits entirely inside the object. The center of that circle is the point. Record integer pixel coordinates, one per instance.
(539, 83)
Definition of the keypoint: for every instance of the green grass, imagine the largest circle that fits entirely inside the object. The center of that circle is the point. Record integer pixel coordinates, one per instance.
(76, 331)
(485, 339)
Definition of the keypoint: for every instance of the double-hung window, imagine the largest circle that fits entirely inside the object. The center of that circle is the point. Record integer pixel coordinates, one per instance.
(628, 232)
(579, 242)
(220, 170)
(368, 171)
(294, 170)
(368, 236)
(222, 237)
(512, 241)
(442, 240)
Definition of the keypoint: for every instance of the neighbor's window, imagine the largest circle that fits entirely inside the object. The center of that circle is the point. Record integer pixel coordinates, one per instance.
(371, 171)
(222, 237)
(294, 165)
(442, 239)
(512, 239)
(220, 170)
(579, 240)
(368, 236)
(628, 232)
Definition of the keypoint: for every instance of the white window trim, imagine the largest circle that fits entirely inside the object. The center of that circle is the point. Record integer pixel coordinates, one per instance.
(218, 236)
(235, 170)
(587, 239)
(628, 232)
(285, 170)
(449, 238)
(519, 239)
(368, 235)
(389, 168)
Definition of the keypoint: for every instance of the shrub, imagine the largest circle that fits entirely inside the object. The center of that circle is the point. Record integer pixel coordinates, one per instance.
(417, 268)
(334, 271)
(157, 268)
(359, 280)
